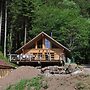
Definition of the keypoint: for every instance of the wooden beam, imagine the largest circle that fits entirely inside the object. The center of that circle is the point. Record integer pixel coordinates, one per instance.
(23, 51)
(36, 45)
(43, 54)
(43, 43)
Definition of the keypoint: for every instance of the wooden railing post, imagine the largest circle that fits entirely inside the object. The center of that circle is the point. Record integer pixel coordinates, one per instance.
(30, 57)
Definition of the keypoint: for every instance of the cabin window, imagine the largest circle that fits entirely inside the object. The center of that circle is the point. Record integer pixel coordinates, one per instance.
(39, 44)
(47, 43)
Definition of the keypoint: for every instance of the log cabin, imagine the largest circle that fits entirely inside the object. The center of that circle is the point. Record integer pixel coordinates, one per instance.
(41, 49)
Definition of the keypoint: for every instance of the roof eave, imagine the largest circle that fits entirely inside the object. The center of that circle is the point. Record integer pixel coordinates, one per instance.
(38, 36)
(27, 43)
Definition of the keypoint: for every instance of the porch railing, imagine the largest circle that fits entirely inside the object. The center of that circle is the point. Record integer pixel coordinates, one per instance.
(26, 57)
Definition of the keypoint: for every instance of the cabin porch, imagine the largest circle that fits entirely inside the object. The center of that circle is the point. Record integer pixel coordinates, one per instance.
(41, 49)
(34, 58)
(17, 59)
(30, 58)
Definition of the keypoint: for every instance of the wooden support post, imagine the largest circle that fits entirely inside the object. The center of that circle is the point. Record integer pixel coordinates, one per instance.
(43, 43)
(36, 45)
(30, 57)
(43, 54)
(23, 51)
(17, 62)
(20, 57)
(39, 56)
(49, 55)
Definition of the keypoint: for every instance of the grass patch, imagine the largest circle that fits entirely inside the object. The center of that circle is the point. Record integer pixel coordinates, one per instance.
(35, 82)
(2, 57)
(27, 84)
(5, 59)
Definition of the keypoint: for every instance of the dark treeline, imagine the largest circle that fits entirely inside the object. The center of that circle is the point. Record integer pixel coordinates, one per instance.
(68, 20)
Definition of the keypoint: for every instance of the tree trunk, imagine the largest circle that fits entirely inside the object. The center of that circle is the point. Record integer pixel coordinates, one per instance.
(10, 47)
(5, 33)
(0, 22)
(9, 41)
(25, 33)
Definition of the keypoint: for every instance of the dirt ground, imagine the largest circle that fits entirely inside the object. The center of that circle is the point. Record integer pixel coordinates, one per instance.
(64, 82)
(54, 82)
(69, 81)
(23, 72)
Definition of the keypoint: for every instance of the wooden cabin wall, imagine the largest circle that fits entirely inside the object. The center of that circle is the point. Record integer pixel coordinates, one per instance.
(56, 51)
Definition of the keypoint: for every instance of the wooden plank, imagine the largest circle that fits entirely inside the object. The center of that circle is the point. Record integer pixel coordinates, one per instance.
(43, 43)
(36, 45)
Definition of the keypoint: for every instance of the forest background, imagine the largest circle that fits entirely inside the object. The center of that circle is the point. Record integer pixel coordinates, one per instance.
(68, 20)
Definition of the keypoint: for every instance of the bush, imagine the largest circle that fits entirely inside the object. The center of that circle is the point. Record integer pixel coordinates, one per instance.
(27, 84)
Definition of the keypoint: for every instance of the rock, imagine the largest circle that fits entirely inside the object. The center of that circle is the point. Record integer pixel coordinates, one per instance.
(32, 88)
(44, 84)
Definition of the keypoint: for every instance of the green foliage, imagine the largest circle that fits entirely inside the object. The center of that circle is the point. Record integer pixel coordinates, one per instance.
(21, 85)
(68, 20)
(2, 57)
(18, 86)
(6, 60)
(28, 84)
(84, 6)
(35, 82)
(63, 18)
(20, 14)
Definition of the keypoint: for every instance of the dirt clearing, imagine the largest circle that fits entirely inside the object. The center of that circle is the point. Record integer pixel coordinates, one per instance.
(74, 81)
(23, 72)
(68, 82)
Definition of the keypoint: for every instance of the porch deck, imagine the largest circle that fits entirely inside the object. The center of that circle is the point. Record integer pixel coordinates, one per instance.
(30, 58)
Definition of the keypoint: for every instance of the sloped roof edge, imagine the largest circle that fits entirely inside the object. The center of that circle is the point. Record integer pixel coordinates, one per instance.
(46, 36)
(57, 42)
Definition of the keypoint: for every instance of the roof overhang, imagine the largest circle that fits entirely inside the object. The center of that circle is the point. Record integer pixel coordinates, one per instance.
(37, 38)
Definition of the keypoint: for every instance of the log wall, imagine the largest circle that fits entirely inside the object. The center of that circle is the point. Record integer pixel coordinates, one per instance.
(55, 53)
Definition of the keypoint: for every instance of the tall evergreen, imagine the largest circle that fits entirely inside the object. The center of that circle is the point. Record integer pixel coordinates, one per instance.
(68, 20)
